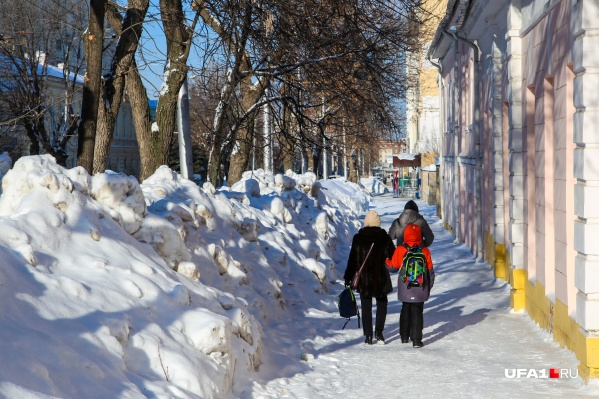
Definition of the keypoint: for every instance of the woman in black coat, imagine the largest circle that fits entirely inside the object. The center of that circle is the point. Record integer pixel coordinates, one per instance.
(375, 281)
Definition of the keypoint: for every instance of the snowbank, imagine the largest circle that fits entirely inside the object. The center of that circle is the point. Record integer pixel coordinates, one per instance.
(374, 185)
(114, 289)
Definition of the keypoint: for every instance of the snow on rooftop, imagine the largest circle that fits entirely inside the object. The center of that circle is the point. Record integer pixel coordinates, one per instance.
(408, 157)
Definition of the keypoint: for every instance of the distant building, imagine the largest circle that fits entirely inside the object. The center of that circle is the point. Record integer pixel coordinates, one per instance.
(422, 105)
(124, 151)
(386, 149)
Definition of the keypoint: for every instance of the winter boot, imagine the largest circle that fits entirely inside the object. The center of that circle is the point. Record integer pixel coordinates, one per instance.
(368, 340)
(378, 335)
(418, 344)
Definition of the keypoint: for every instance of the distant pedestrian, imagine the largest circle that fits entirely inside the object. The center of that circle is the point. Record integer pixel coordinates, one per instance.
(415, 279)
(371, 246)
(410, 215)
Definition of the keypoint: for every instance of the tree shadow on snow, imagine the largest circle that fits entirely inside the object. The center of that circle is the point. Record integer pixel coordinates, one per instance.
(446, 313)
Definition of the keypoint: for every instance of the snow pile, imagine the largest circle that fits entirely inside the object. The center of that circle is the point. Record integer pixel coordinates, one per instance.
(114, 289)
(5, 165)
(338, 192)
(374, 185)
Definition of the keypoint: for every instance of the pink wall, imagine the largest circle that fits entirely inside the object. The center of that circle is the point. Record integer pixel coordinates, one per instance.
(547, 129)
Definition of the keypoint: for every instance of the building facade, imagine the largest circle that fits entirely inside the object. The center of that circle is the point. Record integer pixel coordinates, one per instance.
(520, 154)
(124, 151)
(386, 149)
(422, 105)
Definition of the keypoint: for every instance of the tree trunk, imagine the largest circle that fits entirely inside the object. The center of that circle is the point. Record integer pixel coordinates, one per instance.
(288, 156)
(178, 41)
(138, 97)
(316, 160)
(93, 43)
(240, 159)
(34, 146)
(353, 172)
(214, 162)
(162, 137)
(236, 43)
(289, 141)
(215, 156)
(310, 157)
(129, 29)
(104, 134)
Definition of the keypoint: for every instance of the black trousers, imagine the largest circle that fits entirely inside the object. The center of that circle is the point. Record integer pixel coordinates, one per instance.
(381, 314)
(411, 320)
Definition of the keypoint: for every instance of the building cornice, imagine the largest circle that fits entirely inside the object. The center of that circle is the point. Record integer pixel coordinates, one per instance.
(454, 16)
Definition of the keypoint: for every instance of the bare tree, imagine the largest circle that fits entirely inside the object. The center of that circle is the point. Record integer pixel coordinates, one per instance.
(155, 140)
(37, 97)
(93, 44)
(345, 53)
(324, 60)
(127, 24)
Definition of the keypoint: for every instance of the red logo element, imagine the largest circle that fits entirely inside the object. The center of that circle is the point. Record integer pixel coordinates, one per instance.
(553, 373)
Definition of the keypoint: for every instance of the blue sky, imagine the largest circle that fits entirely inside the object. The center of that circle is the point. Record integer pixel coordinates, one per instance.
(151, 62)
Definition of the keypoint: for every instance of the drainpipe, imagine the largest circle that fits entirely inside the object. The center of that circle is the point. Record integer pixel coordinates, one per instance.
(477, 146)
(439, 67)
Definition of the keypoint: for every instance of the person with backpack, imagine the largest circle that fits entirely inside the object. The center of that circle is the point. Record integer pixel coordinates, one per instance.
(416, 277)
(370, 248)
(410, 215)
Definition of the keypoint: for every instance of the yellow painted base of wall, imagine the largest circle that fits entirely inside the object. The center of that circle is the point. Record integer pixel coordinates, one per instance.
(553, 317)
(495, 255)
(517, 279)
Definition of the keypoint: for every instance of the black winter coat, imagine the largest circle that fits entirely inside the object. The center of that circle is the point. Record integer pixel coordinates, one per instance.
(375, 281)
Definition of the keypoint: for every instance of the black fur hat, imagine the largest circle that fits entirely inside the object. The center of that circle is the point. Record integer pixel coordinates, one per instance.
(411, 205)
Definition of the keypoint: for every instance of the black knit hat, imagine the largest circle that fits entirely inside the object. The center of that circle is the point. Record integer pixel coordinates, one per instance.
(411, 205)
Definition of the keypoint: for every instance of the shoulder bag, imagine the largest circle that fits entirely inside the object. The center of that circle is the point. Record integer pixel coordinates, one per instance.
(355, 282)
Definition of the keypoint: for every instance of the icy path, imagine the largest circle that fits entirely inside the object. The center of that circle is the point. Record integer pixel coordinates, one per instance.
(471, 337)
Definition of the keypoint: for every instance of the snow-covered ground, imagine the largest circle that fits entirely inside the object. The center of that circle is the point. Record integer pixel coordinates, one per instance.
(472, 339)
(111, 289)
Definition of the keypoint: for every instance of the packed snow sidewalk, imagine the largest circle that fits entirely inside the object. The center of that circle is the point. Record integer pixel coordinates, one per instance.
(471, 338)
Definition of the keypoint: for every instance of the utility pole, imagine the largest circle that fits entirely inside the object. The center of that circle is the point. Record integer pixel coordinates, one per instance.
(344, 150)
(267, 133)
(325, 174)
(184, 134)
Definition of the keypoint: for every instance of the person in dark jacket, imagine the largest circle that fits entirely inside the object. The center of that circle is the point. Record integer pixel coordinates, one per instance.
(410, 215)
(375, 281)
(411, 318)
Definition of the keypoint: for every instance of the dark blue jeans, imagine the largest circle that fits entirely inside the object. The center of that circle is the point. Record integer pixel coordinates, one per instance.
(411, 320)
(381, 314)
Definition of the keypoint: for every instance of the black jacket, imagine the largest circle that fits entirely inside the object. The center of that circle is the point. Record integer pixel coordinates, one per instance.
(375, 281)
